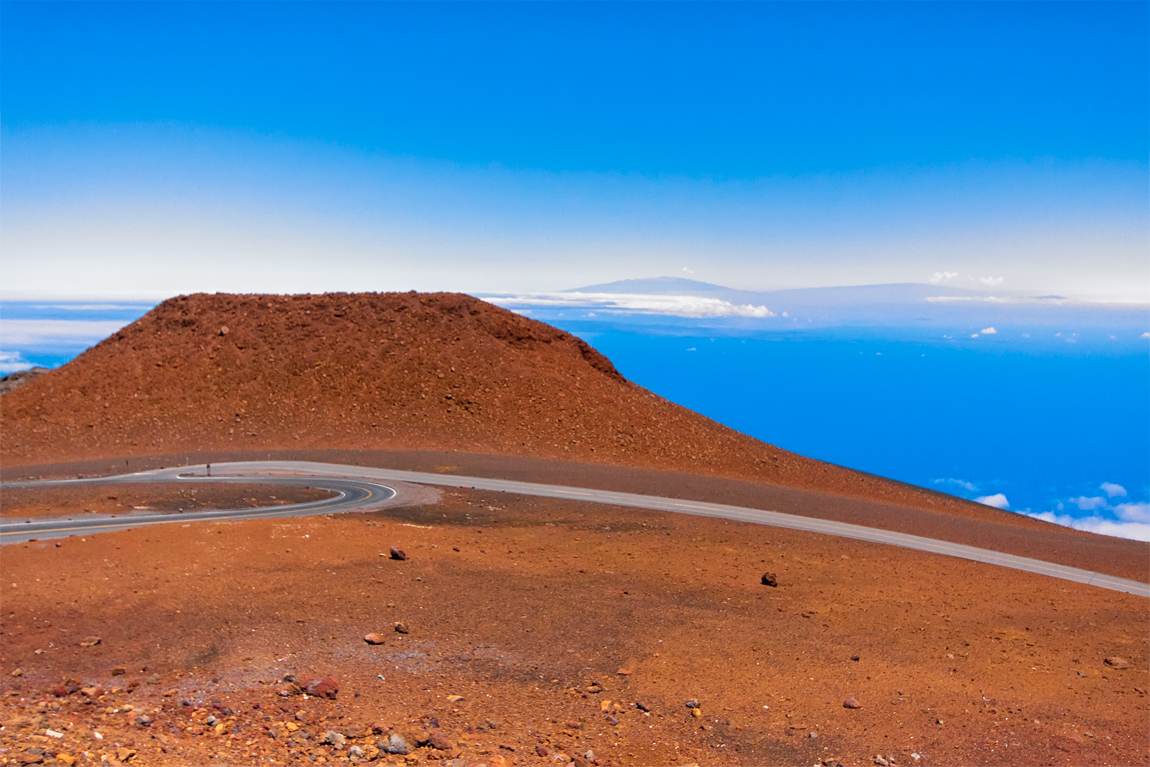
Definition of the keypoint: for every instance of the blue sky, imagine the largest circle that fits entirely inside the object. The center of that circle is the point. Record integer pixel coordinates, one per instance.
(158, 148)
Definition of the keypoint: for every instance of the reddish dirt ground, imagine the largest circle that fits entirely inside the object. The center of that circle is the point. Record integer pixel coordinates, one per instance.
(528, 609)
(161, 497)
(521, 606)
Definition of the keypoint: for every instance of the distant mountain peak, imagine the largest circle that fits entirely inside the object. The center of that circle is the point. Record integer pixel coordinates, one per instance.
(649, 285)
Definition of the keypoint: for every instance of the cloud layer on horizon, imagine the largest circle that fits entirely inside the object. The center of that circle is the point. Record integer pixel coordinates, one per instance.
(677, 306)
(1122, 520)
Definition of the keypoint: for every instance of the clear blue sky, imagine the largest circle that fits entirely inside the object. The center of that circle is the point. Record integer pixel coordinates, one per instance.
(767, 144)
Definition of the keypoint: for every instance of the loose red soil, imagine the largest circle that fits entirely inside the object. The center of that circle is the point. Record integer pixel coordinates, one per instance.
(520, 605)
(517, 604)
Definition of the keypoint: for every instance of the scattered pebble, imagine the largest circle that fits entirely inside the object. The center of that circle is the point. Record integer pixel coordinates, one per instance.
(438, 742)
(401, 627)
(373, 638)
(770, 579)
(851, 703)
(395, 744)
(398, 554)
(1117, 662)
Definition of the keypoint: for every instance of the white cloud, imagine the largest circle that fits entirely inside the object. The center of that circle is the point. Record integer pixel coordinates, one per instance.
(991, 282)
(974, 335)
(1133, 512)
(940, 277)
(95, 307)
(1089, 504)
(48, 332)
(10, 362)
(1112, 489)
(1134, 530)
(968, 486)
(1043, 300)
(998, 501)
(680, 306)
(688, 271)
(988, 331)
(1145, 335)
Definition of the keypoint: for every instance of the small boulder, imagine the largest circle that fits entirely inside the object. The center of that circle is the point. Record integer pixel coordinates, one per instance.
(692, 703)
(355, 751)
(851, 703)
(333, 738)
(770, 579)
(373, 638)
(401, 627)
(1116, 662)
(398, 554)
(395, 744)
(321, 688)
(438, 742)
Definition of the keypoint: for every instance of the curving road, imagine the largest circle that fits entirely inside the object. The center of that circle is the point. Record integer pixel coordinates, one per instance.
(350, 495)
(346, 479)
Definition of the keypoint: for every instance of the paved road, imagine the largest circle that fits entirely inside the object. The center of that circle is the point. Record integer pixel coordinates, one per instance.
(312, 473)
(350, 495)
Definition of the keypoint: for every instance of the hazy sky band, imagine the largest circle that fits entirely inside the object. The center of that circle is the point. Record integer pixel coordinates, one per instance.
(161, 209)
(151, 149)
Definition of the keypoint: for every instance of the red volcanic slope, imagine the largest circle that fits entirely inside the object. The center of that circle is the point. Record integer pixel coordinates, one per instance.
(385, 371)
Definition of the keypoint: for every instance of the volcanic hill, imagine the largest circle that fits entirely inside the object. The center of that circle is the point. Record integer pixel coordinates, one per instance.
(384, 371)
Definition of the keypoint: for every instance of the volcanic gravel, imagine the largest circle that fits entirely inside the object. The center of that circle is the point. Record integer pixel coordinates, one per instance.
(535, 632)
(565, 626)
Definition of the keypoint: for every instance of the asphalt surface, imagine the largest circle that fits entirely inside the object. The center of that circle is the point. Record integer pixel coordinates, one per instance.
(350, 495)
(348, 480)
